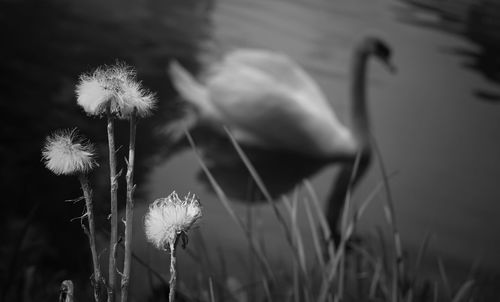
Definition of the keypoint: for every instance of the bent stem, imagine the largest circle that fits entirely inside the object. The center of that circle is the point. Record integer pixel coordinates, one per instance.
(87, 193)
(173, 274)
(398, 265)
(129, 210)
(114, 207)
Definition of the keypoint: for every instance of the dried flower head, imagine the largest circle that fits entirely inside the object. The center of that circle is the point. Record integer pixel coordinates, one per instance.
(114, 86)
(169, 217)
(66, 152)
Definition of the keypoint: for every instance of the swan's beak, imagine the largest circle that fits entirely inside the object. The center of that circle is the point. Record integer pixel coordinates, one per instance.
(392, 68)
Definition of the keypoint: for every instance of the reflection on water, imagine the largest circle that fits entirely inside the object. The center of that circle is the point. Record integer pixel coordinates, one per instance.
(479, 21)
(430, 129)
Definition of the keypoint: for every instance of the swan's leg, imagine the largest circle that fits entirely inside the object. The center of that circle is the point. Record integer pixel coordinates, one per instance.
(337, 198)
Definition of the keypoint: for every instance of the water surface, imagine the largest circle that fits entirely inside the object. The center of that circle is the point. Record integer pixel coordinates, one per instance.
(431, 126)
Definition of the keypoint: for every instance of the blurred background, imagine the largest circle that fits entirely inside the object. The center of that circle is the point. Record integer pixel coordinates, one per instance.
(436, 121)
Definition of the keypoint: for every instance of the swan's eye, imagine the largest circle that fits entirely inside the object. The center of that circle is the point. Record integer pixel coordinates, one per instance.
(382, 50)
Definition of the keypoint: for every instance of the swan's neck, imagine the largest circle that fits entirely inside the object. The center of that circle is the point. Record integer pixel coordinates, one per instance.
(359, 111)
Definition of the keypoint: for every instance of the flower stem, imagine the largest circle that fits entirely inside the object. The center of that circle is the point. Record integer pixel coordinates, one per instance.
(114, 207)
(66, 291)
(173, 274)
(87, 193)
(129, 210)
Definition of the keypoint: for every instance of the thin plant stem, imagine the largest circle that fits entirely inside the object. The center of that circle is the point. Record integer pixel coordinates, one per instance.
(129, 209)
(66, 292)
(173, 274)
(398, 265)
(269, 199)
(211, 287)
(114, 207)
(87, 193)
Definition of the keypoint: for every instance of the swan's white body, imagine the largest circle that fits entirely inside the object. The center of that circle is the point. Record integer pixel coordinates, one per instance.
(267, 99)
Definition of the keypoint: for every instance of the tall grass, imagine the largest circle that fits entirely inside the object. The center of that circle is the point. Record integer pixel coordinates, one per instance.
(348, 271)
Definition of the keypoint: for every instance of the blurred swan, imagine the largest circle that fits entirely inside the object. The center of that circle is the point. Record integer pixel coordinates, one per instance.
(268, 100)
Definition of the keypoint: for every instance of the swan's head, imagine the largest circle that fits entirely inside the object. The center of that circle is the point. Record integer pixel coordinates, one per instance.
(381, 50)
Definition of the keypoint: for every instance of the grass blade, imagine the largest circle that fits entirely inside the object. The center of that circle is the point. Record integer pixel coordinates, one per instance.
(296, 283)
(267, 291)
(225, 202)
(436, 292)
(375, 280)
(250, 168)
(267, 195)
(423, 249)
(211, 288)
(420, 256)
(463, 290)
(295, 230)
(444, 277)
(315, 236)
(331, 272)
(347, 202)
(398, 268)
(327, 234)
(473, 268)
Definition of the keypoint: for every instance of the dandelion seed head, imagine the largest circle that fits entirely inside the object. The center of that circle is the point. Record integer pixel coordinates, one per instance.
(66, 152)
(170, 216)
(139, 99)
(115, 87)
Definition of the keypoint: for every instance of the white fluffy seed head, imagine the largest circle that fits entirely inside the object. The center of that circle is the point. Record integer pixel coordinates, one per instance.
(66, 152)
(114, 86)
(169, 217)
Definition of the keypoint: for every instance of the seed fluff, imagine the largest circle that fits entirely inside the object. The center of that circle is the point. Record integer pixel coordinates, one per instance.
(66, 152)
(117, 87)
(169, 217)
